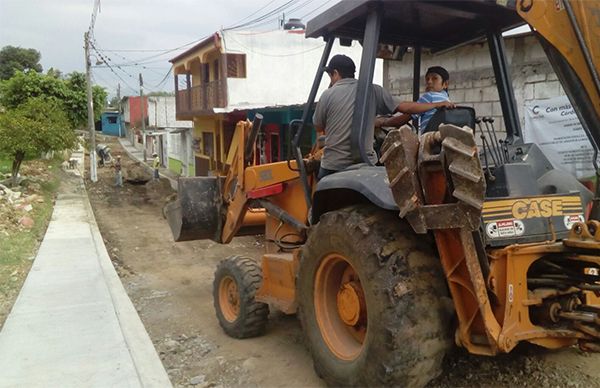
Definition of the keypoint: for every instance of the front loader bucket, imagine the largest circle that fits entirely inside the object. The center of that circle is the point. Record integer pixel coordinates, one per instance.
(196, 214)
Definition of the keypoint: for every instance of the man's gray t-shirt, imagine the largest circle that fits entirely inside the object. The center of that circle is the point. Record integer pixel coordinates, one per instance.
(334, 114)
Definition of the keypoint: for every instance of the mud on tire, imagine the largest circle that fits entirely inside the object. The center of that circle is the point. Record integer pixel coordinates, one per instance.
(407, 329)
(236, 281)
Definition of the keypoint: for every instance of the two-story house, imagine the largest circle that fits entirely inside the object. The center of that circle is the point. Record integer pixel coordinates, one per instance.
(233, 74)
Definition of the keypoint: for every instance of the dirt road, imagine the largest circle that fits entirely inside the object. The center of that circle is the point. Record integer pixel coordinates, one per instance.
(171, 286)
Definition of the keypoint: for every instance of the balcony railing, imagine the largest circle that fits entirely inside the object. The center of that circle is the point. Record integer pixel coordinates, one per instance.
(201, 99)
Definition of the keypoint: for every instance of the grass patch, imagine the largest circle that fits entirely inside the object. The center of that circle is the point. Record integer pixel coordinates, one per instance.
(18, 246)
(5, 165)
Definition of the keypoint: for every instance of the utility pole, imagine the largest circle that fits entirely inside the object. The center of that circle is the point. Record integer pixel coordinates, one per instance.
(143, 106)
(90, 107)
(119, 109)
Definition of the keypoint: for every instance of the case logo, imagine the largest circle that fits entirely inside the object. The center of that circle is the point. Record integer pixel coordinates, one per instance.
(535, 208)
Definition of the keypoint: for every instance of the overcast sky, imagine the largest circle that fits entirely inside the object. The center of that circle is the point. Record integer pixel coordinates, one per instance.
(56, 28)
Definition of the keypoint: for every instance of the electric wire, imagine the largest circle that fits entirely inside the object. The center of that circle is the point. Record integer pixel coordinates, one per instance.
(262, 17)
(254, 23)
(125, 64)
(112, 70)
(95, 11)
(277, 17)
(315, 10)
(255, 12)
(107, 61)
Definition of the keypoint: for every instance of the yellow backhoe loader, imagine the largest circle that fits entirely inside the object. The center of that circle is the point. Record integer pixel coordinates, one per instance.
(448, 242)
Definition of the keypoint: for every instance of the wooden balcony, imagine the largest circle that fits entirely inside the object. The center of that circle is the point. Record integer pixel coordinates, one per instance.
(201, 99)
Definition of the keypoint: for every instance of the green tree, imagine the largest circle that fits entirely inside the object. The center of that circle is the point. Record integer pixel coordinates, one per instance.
(75, 82)
(23, 86)
(13, 59)
(69, 92)
(39, 125)
(52, 72)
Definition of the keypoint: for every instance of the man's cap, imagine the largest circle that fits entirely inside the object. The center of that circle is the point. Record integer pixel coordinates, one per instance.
(440, 71)
(341, 63)
(155, 154)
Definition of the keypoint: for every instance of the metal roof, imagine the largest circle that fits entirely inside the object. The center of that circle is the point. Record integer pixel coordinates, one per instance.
(433, 24)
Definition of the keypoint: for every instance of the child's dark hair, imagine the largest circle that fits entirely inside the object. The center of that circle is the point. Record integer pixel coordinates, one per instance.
(441, 72)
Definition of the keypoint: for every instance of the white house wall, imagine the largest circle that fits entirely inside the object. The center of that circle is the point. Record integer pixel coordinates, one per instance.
(281, 66)
(179, 148)
(126, 110)
(161, 113)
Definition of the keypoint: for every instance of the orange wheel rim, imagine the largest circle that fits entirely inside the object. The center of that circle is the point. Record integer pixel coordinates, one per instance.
(340, 307)
(229, 298)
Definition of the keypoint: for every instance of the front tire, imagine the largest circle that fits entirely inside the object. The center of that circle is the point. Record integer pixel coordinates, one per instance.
(237, 279)
(371, 300)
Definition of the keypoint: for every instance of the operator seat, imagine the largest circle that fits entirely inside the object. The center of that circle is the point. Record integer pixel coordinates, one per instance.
(459, 116)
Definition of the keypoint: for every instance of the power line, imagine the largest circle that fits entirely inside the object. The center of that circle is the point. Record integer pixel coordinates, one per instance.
(112, 70)
(135, 50)
(255, 12)
(127, 64)
(316, 9)
(95, 11)
(268, 21)
(164, 80)
(106, 59)
(170, 50)
(256, 22)
(263, 17)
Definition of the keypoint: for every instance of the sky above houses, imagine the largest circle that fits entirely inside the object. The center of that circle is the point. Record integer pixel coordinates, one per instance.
(134, 36)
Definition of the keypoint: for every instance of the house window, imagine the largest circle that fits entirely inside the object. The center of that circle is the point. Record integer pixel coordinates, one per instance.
(207, 144)
(112, 119)
(236, 65)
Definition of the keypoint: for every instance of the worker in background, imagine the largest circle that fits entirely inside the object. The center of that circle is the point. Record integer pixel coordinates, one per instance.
(118, 173)
(156, 165)
(333, 115)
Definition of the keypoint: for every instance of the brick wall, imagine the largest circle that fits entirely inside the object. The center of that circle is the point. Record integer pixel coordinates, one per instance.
(472, 81)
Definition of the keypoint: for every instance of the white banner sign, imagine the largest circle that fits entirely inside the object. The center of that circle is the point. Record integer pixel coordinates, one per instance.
(553, 125)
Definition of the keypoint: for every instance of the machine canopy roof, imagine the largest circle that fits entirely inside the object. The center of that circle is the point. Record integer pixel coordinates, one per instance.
(433, 24)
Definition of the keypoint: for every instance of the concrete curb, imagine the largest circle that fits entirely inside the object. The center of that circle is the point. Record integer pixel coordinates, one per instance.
(149, 367)
(73, 324)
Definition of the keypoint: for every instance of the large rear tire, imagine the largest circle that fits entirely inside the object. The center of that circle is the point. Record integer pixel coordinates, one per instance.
(237, 279)
(373, 300)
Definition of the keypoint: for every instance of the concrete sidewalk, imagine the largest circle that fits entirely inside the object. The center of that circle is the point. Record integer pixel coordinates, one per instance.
(138, 155)
(73, 324)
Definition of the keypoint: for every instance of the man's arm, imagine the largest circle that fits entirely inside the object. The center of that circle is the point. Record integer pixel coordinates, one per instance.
(394, 121)
(422, 107)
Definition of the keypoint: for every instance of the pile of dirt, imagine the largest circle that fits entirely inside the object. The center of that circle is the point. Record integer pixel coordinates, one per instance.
(526, 366)
(18, 202)
(136, 173)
